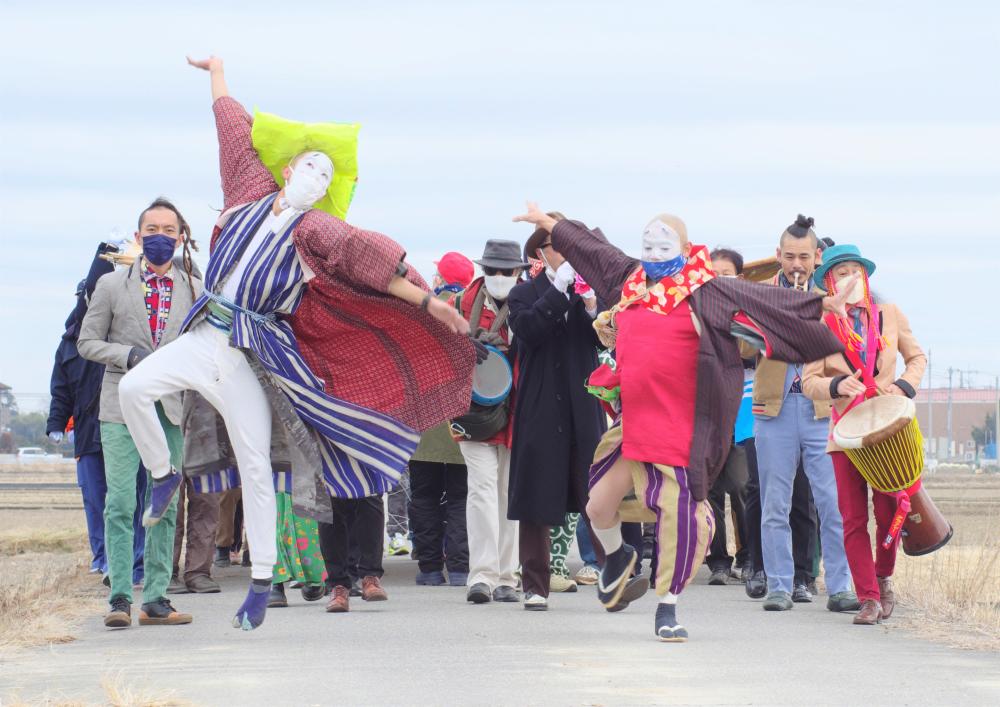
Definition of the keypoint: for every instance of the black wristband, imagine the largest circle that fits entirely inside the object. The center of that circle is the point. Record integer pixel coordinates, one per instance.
(834, 385)
(401, 269)
(425, 301)
(906, 388)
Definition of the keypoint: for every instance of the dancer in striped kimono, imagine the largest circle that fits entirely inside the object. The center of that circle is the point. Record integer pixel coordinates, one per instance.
(321, 351)
(676, 388)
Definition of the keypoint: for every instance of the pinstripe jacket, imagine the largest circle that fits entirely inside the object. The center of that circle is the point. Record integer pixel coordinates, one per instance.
(789, 321)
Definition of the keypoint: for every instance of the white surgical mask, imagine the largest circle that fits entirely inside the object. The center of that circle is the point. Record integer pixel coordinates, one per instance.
(308, 182)
(857, 292)
(499, 286)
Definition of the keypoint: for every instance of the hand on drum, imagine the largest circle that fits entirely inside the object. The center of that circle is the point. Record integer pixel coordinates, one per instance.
(851, 387)
(894, 389)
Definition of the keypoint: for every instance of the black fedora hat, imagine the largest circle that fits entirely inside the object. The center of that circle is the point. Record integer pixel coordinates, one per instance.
(503, 255)
(536, 239)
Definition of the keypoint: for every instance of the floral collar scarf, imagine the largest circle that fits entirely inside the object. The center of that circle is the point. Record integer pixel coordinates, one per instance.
(669, 292)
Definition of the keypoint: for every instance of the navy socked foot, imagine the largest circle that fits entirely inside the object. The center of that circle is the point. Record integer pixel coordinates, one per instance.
(667, 628)
(615, 575)
(251, 613)
(160, 496)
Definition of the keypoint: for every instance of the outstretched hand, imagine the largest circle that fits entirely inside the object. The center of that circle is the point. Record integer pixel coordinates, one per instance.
(838, 303)
(212, 63)
(448, 315)
(536, 217)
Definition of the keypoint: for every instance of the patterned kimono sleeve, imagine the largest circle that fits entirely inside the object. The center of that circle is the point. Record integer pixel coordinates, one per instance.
(339, 251)
(604, 266)
(786, 321)
(244, 176)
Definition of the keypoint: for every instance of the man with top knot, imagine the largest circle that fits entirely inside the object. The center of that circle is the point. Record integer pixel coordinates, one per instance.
(675, 388)
(323, 353)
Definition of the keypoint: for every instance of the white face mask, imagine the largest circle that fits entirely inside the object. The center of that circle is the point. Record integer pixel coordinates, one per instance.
(309, 181)
(499, 286)
(857, 292)
(660, 242)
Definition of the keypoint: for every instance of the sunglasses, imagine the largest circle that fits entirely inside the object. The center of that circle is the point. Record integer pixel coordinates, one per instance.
(509, 272)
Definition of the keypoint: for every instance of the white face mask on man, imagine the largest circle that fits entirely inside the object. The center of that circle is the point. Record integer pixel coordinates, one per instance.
(499, 286)
(308, 182)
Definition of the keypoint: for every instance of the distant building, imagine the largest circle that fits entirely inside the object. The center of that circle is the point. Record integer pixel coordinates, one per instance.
(969, 408)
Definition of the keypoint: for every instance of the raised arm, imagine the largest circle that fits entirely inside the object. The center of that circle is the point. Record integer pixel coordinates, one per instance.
(604, 266)
(244, 176)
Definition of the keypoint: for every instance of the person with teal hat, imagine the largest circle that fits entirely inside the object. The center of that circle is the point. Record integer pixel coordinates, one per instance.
(333, 382)
(844, 253)
(875, 335)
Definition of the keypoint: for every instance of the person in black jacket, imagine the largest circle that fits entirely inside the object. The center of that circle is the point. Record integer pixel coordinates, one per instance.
(557, 423)
(75, 389)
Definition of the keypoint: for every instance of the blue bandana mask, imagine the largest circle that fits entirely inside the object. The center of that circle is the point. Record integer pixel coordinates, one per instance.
(158, 248)
(664, 268)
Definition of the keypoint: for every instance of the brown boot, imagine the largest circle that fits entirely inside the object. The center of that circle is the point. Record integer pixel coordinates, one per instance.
(870, 613)
(371, 589)
(340, 600)
(888, 596)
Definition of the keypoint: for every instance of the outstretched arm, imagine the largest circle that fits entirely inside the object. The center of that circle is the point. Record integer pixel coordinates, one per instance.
(244, 176)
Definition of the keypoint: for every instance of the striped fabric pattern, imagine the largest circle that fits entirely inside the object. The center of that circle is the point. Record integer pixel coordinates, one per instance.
(363, 452)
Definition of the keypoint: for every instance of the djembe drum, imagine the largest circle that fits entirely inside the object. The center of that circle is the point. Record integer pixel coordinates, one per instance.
(882, 439)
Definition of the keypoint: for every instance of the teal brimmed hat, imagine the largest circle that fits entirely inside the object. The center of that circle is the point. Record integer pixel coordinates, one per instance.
(840, 254)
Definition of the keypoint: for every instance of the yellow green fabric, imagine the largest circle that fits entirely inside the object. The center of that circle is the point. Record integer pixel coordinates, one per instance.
(278, 140)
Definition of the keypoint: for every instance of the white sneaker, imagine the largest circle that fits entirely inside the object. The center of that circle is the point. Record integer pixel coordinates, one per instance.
(398, 545)
(536, 602)
(588, 574)
(558, 583)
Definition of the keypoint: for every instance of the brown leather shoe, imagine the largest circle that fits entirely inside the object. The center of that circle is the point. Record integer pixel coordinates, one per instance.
(371, 589)
(888, 596)
(870, 613)
(340, 600)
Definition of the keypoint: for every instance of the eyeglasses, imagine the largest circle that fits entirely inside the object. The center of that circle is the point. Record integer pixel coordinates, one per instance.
(509, 272)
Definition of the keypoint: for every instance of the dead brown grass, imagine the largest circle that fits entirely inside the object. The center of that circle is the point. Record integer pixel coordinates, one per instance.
(44, 586)
(955, 592)
(119, 692)
(60, 540)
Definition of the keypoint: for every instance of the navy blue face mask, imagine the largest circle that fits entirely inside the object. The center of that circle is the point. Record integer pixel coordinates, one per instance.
(158, 248)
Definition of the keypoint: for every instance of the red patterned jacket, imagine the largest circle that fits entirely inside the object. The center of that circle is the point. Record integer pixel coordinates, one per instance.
(371, 348)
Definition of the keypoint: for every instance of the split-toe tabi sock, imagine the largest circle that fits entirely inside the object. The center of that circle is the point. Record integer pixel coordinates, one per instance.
(251, 613)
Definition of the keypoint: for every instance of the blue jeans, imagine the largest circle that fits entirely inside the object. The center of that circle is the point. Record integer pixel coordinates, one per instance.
(93, 488)
(584, 545)
(782, 442)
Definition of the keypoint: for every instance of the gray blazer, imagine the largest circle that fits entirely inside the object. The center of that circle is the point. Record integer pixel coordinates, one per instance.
(116, 321)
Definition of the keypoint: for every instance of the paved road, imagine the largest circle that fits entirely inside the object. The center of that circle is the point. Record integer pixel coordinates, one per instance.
(426, 646)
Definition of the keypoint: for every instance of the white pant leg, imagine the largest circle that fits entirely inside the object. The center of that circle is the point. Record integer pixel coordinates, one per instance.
(243, 404)
(187, 363)
(482, 514)
(507, 541)
(202, 360)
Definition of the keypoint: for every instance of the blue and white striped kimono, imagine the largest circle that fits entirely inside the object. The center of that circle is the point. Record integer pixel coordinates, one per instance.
(362, 452)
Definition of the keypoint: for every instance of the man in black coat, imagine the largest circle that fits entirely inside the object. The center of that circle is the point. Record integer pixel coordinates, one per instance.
(557, 423)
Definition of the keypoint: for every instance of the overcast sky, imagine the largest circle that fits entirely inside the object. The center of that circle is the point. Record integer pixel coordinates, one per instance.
(879, 119)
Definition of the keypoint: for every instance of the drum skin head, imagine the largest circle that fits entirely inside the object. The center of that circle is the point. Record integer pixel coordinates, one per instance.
(491, 379)
(874, 421)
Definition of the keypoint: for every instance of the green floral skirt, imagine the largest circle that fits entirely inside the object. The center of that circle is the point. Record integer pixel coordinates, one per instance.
(299, 556)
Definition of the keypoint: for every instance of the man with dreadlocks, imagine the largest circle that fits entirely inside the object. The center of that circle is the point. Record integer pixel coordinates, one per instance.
(135, 311)
(874, 335)
(348, 368)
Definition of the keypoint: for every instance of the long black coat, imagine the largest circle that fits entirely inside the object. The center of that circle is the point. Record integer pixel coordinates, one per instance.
(76, 392)
(557, 423)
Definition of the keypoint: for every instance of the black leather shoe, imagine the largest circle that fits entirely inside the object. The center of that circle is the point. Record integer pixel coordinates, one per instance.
(222, 557)
(277, 599)
(719, 578)
(503, 593)
(801, 595)
(313, 592)
(756, 586)
(479, 593)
